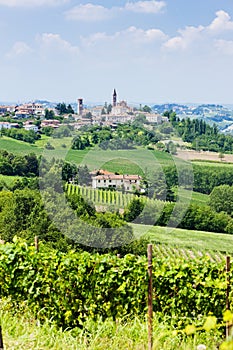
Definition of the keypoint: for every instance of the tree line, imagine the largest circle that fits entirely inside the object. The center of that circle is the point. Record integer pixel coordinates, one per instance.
(17, 165)
(21, 134)
(125, 136)
(201, 135)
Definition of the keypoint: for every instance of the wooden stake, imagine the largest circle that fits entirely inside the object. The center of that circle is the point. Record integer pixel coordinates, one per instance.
(150, 298)
(228, 266)
(1, 340)
(36, 243)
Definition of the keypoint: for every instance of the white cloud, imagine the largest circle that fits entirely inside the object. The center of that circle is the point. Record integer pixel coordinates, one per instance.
(54, 42)
(187, 36)
(221, 23)
(89, 12)
(31, 3)
(131, 34)
(144, 36)
(152, 6)
(224, 46)
(20, 48)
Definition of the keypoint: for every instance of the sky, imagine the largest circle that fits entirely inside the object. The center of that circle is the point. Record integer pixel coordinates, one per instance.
(176, 51)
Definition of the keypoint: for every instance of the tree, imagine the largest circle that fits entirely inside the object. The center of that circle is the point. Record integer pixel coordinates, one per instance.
(133, 210)
(32, 164)
(49, 146)
(146, 109)
(109, 108)
(69, 109)
(61, 108)
(221, 199)
(62, 131)
(140, 120)
(49, 114)
(83, 175)
(221, 156)
(69, 171)
(171, 147)
(88, 115)
(78, 143)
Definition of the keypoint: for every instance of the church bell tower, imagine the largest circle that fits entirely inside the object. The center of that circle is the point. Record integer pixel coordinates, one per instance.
(114, 98)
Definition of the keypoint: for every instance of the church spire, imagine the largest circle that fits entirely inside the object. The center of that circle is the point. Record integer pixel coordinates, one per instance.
(114, 98)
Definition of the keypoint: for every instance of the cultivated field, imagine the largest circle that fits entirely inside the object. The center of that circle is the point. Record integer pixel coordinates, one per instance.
(190, 155)
(190, 239)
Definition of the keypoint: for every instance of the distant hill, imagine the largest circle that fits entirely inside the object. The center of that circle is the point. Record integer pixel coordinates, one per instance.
(211, 113)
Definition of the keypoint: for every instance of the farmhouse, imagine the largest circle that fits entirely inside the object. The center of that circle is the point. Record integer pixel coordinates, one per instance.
(123, 182)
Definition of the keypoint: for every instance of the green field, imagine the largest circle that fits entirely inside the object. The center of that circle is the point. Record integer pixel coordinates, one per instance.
(116, 160)
(122, 161)
(189, 239)
(136, 161)
(212, 163)
(194, 197)
(18, 147)
(22, 331)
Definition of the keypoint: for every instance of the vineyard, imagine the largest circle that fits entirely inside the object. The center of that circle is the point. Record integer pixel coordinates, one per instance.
(175, 254)
(71, 287)
(101, 197)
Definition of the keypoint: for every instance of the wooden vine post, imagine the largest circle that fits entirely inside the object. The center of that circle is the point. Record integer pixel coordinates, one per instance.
(150, 298)
(36, 244)
(228, 266)
(1, 339)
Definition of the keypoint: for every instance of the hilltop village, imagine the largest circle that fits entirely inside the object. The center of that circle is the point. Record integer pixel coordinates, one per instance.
(37, 115)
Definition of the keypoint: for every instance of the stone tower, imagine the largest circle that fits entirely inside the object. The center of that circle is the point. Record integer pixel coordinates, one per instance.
(114, 98)
(80, 106)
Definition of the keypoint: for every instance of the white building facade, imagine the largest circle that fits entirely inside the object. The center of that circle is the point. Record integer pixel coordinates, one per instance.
(128, 183)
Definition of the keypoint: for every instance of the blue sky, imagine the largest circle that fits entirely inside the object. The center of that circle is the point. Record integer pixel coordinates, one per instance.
(150, 51)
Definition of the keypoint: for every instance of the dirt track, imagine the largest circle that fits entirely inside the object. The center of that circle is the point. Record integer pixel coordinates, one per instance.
(194, 155)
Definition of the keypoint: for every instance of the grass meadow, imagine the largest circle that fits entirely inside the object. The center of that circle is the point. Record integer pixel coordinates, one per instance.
(188, 239)
(22, 331)
(18, 147)
(194, 197)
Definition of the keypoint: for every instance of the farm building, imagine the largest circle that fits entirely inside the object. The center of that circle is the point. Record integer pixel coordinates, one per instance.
(126, 182)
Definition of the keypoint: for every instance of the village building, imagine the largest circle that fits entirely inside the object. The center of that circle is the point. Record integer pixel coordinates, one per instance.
(54, 123)
(8, 125)
(128, 183)
(29, 125)
(29, 109)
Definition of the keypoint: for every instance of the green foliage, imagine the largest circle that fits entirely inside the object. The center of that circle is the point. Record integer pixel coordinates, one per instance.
(77, 286)
(202, 178)
(29, 136)
(125, 136)
(221, 199)
(47, 130)
(80, 143)
(157, 212)
(100, 196)
(146, 109)
(62, 131)
(205, 218)
(63, 109)
(49, 146)
(49, 114)
(83, 176)
(10, 164)
(18, 326)
(133, 210)
(69, 171)
(201, 135)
